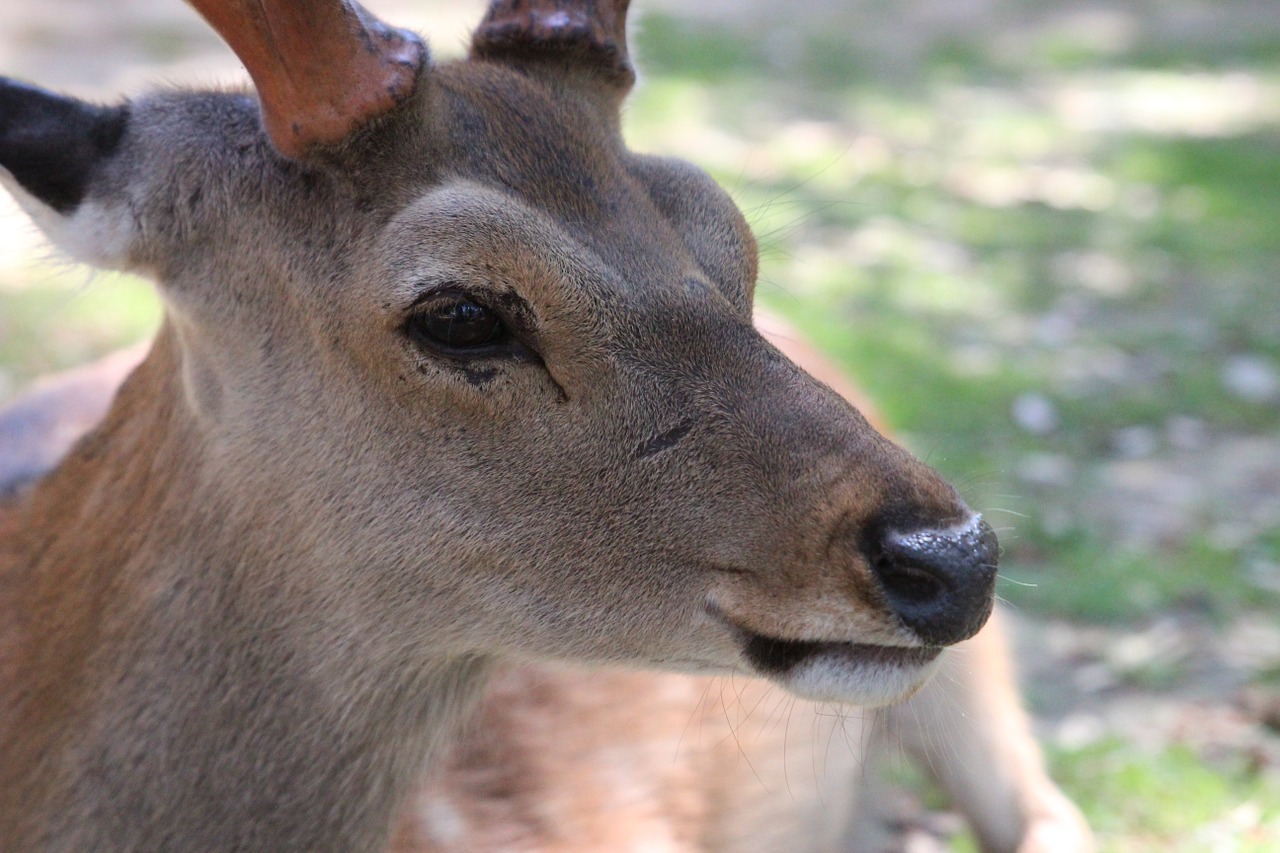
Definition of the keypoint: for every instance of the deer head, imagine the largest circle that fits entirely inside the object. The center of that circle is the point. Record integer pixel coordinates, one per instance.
(449, 373)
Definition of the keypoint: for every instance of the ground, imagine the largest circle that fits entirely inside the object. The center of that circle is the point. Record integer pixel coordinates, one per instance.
(1045, 237)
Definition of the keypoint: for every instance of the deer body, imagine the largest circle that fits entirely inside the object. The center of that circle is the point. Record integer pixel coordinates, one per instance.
(448, 378)
(561, 759)
(138, 608)
(683, 764)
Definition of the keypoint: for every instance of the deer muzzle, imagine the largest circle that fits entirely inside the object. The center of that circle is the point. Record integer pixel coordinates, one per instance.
(935, 588)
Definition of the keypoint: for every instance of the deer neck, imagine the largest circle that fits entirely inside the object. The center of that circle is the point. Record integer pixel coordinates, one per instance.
(158, 687)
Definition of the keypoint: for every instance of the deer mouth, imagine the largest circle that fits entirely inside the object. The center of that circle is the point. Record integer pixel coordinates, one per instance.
(835, 670)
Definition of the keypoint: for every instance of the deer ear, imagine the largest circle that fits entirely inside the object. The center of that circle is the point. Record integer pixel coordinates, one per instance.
(51, 149)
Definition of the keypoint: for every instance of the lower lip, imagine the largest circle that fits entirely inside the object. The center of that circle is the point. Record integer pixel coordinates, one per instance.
(855, 673)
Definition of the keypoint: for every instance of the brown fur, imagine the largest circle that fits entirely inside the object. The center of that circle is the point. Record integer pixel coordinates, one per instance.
(563, 759)
(253, 605)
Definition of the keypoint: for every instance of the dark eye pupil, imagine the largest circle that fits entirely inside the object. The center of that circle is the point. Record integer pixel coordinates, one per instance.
(459, 323)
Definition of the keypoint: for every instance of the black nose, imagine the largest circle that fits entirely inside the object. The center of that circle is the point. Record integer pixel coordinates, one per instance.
(939, 582)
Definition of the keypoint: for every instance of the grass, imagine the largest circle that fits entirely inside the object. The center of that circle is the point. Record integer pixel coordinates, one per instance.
(1173, 801)
(1077, 577)
(1136, 800)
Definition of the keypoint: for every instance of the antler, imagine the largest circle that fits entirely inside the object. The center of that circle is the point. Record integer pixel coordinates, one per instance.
(587, 30)
(322, 67)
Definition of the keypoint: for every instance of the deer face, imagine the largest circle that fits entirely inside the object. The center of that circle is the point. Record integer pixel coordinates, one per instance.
(491, 373)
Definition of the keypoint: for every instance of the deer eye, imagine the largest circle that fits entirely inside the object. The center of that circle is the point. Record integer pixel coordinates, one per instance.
(454, 321)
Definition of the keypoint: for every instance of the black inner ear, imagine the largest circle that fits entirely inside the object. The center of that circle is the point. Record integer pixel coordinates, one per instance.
(52, 144)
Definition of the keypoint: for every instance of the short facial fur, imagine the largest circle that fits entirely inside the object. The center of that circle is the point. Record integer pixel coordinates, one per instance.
(278, 572)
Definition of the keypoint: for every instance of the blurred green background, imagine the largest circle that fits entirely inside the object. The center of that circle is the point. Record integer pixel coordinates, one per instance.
(1045, 237)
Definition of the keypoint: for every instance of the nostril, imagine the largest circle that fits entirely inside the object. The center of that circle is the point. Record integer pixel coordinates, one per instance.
(939, 582)
(905, 582)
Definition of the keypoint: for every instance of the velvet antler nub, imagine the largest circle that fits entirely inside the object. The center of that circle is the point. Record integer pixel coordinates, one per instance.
(585, 31)
(322, 67)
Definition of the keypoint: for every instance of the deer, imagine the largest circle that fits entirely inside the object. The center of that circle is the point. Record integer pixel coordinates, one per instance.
(458, 410)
